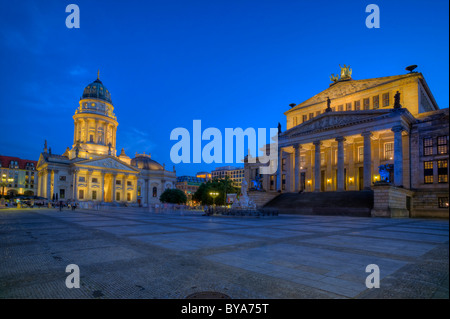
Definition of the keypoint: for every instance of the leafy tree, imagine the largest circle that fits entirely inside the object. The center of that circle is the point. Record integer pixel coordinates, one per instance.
(222, 186)
(173, 196)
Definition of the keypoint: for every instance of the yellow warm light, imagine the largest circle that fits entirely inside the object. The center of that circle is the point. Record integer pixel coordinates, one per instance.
(350, 179)
(329, 180)
(309, 181)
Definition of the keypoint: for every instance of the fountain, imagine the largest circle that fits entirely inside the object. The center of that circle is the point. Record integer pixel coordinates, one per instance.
(244, 206)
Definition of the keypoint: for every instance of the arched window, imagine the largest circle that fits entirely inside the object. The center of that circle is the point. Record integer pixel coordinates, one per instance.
(155, 191)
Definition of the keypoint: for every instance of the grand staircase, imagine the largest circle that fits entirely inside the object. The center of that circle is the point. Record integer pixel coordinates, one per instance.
(348, 203)
(261, 198)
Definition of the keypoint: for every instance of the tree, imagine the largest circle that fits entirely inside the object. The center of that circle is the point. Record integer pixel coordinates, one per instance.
(173, 196)
(222, 186)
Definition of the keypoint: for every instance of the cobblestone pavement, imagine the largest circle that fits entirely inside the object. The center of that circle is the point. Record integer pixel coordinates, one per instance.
(134, 253)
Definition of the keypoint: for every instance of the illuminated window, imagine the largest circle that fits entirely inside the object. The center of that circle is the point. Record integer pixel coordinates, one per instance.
(376, 102)
(366, 103)
(361, 153)
(348, 106)
(428, 172)
(81, 194)
(322, 158)
(389, 151)
(428, 146)
(94, 195)
(283, 164)
(155, 192)
(95, 180)
(340, 107)
(81, 179)
(357, 105)
(304, 118)
(442, 144)
(311, 115)
(442, 171)
(128, 197)
(317, 113)
(117, 196)
(91, 138)
(386, 99)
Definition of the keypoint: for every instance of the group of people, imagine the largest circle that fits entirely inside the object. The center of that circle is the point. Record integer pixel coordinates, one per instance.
(61, 204)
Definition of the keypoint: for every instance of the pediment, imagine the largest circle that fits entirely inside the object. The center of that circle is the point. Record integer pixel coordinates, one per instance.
(343, 88)
(108, 162)
(333, 120)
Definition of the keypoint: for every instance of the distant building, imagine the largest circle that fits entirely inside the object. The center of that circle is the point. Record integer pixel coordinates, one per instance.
(236, 174)
(204, 175)
(189, 185)
(17, 176)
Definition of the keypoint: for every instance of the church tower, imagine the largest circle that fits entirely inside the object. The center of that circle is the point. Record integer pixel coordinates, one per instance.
(95, 123)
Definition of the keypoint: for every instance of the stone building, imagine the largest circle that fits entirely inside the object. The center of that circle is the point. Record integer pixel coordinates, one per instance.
(17, 176)
(384, 134)
(91, 171)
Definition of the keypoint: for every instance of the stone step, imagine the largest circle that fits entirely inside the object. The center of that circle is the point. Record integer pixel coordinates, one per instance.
(349, 203)
(262, 198)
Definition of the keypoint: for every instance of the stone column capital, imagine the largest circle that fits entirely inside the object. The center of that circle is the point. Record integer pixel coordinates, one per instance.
(366, 134)
(317, 143)
(397, 128)
(340, 139)
(297, 146)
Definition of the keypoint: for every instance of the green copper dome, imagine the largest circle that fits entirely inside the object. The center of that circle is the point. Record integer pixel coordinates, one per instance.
(98, 91)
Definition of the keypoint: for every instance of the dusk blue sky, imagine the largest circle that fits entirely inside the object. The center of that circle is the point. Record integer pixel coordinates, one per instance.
(227, 63)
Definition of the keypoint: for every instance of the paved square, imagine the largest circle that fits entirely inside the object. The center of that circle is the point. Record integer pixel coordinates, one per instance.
(134, 253)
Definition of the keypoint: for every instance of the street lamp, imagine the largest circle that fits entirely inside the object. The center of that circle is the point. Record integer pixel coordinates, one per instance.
(214, 195)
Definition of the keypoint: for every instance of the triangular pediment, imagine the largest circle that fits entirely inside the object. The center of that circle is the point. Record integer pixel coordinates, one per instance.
(333, 120)
(108, 162)
(344, 88)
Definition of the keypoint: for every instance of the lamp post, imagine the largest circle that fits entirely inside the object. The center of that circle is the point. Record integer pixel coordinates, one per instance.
(214, 195)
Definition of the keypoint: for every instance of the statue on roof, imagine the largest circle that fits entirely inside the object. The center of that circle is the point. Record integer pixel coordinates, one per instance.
(346, 72)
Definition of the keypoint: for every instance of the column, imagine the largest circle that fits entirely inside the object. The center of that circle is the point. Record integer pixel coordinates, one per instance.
(88, 185)
(317, 166)
(340, 164)
(124, 188)
(86, 130)
(75, 182)
(398, 155)
(55, 182)
(96, 131)
(103, 187)
(367, 182)
(297, 148)
(113, 188)
(280, 160)
(75, 132)
(48, 185)
(144, 193)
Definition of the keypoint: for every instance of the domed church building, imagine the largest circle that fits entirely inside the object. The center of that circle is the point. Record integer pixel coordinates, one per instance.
(90, 171)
